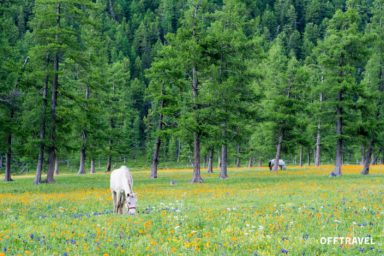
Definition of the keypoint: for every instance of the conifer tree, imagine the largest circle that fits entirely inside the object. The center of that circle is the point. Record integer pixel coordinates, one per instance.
(340, 54)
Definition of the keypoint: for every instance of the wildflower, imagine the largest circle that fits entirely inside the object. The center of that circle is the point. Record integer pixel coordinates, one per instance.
(73, 241)
(65, 254)
(31, 236)
(284, 251)
(260, 227)
(27, 252)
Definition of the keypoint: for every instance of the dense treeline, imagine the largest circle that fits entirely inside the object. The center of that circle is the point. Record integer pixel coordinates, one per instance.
(190, 82)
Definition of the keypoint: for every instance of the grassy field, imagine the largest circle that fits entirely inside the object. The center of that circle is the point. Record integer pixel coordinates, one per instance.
(253, 212)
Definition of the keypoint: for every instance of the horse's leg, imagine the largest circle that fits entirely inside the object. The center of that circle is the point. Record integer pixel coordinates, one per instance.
(121, 200)
(118, 202)
(115, 203)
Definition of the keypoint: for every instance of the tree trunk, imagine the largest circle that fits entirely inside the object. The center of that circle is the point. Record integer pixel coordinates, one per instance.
(278, 152)
(375, 157)
(318, 145)
(40, 159)
(318, 135)
(250, 162)
(309, 157)
(224, 162)
(156, 152)
(109, 163)
(260, 162)
(55, 84)
(92, 168)
(196, 159)
(237, 155)
(178, 150)
(57, 166)
(339, 139)
(301, 156)
(51, 165)
(1, 162)
(8, 160)
(82, 160)
(195, 94)
(210, 160)
(155, 158)
(382, 157)
(84, 137)
(367, 158)
(196, 136)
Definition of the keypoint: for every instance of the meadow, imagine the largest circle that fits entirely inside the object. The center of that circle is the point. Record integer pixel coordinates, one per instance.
(253, 212)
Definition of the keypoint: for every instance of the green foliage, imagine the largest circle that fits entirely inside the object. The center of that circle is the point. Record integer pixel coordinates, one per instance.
(125, 64)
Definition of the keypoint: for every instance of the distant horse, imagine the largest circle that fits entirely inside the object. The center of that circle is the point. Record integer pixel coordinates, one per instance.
(281, 164)
(121, 185)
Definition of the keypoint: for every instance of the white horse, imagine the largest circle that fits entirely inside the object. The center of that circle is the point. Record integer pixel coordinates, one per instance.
(281, 164)
(122, 191)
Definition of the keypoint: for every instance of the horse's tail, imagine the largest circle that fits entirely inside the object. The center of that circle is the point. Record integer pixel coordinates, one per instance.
(121, 197)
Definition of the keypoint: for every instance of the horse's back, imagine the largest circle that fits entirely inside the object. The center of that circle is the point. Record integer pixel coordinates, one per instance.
(120, 179)
(281, 162)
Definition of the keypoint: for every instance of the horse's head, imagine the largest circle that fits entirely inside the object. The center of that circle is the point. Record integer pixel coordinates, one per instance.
(131, 203)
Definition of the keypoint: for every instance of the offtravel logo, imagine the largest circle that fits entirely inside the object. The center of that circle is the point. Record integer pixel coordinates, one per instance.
(347, 240)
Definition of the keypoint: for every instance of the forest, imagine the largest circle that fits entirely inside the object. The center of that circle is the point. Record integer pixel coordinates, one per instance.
(189, 83)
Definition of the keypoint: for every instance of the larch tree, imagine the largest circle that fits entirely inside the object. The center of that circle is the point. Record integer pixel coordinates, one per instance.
(282, 94)
(340, 54)
(55, 35)
(373, 98)
(189, 39)
(166, 80)
(12, 66)
(229, 92)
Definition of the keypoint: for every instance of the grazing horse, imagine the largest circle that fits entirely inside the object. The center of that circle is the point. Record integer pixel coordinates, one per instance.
(281, 164)
(122, 191)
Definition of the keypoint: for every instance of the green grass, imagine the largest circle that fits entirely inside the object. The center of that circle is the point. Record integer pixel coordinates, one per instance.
(253, 212)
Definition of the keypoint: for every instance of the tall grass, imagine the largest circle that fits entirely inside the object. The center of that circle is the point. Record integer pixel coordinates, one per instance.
(254, 212)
